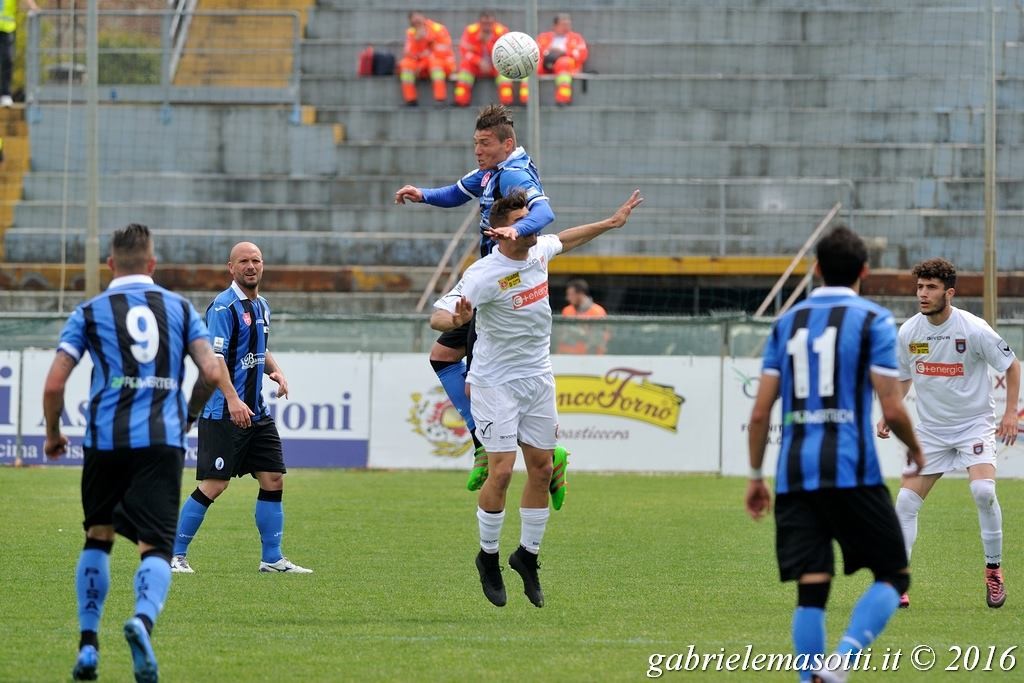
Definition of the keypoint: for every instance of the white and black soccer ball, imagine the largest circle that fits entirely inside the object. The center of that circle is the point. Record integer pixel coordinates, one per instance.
(515, 55)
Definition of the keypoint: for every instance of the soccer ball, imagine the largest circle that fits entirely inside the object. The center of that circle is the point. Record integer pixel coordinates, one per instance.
(515, 55)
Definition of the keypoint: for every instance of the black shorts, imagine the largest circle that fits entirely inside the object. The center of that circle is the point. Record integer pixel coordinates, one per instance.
(461, 337)
(227, 451)
(862, 520)
(137, 490)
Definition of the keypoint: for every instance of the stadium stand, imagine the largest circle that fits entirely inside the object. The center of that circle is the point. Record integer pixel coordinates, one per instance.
(744, 122)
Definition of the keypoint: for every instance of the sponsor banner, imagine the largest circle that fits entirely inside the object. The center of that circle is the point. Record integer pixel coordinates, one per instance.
(741, 377)
(323, 423)
(10, 400)
(615, 413)
(1009, 459)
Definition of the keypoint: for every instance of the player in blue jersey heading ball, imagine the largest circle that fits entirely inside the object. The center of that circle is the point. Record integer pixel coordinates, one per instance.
(502, 168)
(237, 435)
(824, 357)
(138, 335)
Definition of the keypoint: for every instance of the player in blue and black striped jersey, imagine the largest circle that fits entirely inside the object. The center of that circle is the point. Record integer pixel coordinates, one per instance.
(138, 335)
(503, 167)
(237, 434)
(824, 358)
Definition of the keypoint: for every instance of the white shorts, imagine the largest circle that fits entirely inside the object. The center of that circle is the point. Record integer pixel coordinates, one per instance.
(519, 410)
(976, 446)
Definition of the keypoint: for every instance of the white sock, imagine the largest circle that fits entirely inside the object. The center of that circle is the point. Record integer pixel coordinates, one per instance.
(990, 518)
(534, 521)
(907, 505)
(490, 529)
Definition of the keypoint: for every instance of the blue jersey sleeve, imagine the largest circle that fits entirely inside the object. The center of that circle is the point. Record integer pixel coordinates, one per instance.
(457, 194)
(539, 217)
(72, 337)
(774, 352)
(218, 319)
(883, 343)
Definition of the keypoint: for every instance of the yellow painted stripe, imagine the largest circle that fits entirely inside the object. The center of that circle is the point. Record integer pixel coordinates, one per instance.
(668, 265)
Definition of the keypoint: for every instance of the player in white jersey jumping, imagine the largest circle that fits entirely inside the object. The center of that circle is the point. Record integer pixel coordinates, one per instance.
(945, 352)
(511, 380)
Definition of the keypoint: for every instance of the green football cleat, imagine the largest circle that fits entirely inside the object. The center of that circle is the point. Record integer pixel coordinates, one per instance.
(557, 487)
(478, 475)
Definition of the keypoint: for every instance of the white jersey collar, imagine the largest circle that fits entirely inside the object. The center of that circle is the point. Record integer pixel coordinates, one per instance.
(242, 296)
(130, 280)
(833, 291)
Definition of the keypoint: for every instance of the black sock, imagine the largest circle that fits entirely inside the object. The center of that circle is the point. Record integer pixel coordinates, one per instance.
(990, 565)
(201, 498)
(147, 622)
(88, 638)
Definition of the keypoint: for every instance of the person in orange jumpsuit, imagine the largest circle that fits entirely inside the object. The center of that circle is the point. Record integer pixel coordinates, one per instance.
(562, 52)
(475, 62)
(581, 339)
(428, 54)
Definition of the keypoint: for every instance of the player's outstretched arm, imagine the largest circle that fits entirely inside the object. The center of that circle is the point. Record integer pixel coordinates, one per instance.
(443, 321)
(894, 413)
(1008, 425)
(581, 234)
(56, 444)
(410, 193)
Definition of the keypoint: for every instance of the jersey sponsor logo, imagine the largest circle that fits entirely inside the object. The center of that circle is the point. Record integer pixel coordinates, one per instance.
(218, 344)
(938, 337)
(820, 416)
(486, 179)
(251, 360)
(165, 383)
(961, 345)
(939, 369)
(919, 347)
(510, 281)
(246, 318)
(622, 392)
(530, 296)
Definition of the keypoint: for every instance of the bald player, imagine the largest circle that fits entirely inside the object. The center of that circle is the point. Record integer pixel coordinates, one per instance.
(237, 435)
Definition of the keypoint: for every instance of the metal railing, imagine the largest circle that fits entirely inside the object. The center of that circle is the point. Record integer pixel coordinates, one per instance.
(141, 54)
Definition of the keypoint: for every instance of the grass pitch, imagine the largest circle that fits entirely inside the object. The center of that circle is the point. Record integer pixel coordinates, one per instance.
(632, 565)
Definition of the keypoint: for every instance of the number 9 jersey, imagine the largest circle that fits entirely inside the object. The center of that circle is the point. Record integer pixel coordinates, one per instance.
(137, 334)
(823, 351)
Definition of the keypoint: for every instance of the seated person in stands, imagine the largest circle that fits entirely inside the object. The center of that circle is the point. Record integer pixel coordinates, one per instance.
(428, 54)
(475, 61)
(562, 52)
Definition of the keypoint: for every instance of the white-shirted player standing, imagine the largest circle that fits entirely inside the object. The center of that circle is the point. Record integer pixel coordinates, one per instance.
(946, 352)
(512, 382)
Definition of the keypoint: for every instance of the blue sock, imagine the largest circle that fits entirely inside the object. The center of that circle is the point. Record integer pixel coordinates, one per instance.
(869, 617)
(270, 522)
(189, 521)
(808, 634)
(453, 379)
(152, 581)
(92, 581)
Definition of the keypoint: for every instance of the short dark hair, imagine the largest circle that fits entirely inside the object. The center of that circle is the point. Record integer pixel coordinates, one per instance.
(131, 247)
(580, 285)
(495, 117)
(841, 256)
(503, 208)
(936, 269)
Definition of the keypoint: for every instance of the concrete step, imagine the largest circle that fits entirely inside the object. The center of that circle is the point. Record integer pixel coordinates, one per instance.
(686, 159)
(625, 123)
(194, 139)
(694, 21)
(711, 92)
(656, 231)
(669, 56)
